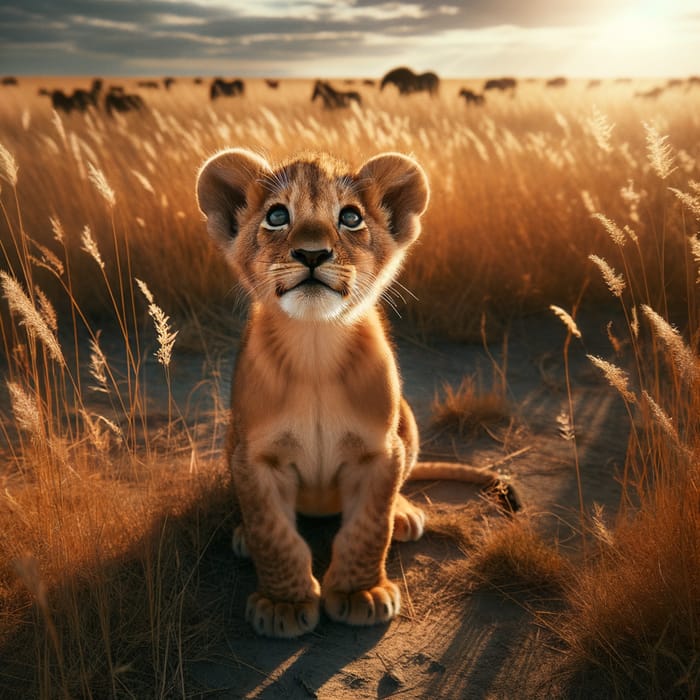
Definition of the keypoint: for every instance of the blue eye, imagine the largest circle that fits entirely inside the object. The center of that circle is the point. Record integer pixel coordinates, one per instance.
(277, 216)
(350, 217)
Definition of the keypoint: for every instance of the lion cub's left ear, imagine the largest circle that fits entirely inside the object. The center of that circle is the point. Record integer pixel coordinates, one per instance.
(401, 187)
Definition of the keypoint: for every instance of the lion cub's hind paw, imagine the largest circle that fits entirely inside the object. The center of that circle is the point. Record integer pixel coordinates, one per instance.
(238, 543)
(281, 619)
(408, 527)
(409, 521)
(369, 607)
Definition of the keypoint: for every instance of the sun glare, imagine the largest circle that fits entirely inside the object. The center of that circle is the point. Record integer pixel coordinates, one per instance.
(647, 39)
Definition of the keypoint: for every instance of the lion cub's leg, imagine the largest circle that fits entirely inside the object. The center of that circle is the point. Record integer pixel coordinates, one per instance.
(355, 588)
(287, 601)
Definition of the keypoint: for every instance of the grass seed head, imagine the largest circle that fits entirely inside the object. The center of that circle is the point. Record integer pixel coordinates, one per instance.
(566, 319)
(31, 319)
(8, 166)
(98, 179)
(616, 283)
(659, 153)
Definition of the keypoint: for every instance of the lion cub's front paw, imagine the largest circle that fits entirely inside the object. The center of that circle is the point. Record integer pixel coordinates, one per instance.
(369, 607)
(272, 618)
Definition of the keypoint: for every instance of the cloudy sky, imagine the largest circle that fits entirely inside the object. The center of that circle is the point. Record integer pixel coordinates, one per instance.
(350, 37)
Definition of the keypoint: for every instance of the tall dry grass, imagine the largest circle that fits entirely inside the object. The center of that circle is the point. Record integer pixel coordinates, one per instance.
(514, 186)
(107, 517)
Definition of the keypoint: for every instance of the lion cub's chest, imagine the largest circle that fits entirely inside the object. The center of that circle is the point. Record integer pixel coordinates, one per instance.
(312, 402)
(316, 431)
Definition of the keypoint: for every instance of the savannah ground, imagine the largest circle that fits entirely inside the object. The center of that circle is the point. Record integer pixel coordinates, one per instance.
(116, 576)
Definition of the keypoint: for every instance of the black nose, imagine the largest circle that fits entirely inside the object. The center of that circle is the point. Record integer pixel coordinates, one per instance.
(311, 258)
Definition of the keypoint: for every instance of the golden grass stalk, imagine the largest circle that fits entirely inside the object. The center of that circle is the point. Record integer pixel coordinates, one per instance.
(691, 202)
(588, 202)
(165, 335)
(24, 409)
(614, 231)
(31, 319)
(98, 179)
(661, 418)
(99, 438)
(49, 260)
(616, 376)
(659, 152)
(616, 283)
(683, 357)
(8, 166)
(57, 228)
(634, 323)
(566, 319)
(601, 129)
(600, 529)
(58, 124)
(695, 250)
(46, 310)
(144, 181)
(98, 365)
(90, 246)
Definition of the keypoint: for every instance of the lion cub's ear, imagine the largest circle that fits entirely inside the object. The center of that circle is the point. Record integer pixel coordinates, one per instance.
(401, 187)
(223, 188)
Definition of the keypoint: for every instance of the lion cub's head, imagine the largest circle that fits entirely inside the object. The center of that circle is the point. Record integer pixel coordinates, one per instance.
(310, 236)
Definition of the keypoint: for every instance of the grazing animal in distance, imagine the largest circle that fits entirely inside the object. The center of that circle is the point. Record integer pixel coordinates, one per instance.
(80, 100)
(318, 423)
(198, 81)
(471, 97)
(650, 94)
(332, 98)
(274, 84)
(168, 82)
(117, 100)
(556, 82)
(407, 82)
(9, 80)
(150, 84)
(222, 88)
(369, 82)
(61, 102)
(84, 99)
(501, 84)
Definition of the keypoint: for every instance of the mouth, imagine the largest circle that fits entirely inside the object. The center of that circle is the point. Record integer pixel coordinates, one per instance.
(309, 282)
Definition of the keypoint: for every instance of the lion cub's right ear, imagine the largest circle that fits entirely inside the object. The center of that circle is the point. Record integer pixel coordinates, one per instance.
(223, 189)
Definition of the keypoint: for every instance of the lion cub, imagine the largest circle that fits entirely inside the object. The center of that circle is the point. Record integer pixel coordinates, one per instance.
(318, 422)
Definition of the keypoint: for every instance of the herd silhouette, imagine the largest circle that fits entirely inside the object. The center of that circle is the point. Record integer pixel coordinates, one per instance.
(332, 98)
(226, 88)
(409, 82)
(115, 98)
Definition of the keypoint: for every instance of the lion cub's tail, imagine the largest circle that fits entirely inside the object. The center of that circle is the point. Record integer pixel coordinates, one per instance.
(490, 482)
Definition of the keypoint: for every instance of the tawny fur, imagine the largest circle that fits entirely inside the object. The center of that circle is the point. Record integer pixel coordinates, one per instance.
(318, 421)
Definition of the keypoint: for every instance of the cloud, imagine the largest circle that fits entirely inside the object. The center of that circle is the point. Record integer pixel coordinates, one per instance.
(324, 36)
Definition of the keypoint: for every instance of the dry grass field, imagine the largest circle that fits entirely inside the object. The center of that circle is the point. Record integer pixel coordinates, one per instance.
(115, 508)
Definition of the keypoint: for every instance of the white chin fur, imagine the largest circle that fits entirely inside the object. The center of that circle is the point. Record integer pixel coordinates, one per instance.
(320, 305)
